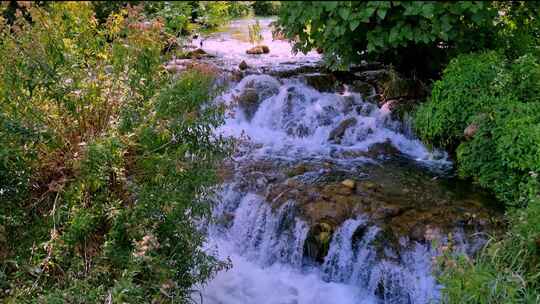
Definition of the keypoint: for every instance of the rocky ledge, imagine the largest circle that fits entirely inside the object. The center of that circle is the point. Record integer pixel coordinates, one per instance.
(404, 201)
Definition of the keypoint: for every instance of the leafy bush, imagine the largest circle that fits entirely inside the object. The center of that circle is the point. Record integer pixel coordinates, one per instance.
(176, 15)
(500, 100)
(239, 9)
(410, 35)
(211, 14)
(470, 85)
(266, 8)
(518, 28)
(109, 159)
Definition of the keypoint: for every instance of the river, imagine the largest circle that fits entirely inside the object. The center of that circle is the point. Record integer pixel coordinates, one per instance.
(328, 198)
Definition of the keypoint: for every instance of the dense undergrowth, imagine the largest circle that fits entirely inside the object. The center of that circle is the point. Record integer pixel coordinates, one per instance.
(105, 160)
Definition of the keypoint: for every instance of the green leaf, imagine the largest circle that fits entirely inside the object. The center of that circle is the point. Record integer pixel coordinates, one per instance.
(344, 13)
(330, 5)
(354, 24)
(381, 12)
(427, 10)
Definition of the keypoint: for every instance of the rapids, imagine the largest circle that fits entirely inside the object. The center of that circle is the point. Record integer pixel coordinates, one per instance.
(292, 123)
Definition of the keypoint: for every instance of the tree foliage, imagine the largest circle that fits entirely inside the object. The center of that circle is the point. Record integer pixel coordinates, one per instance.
(413, 36)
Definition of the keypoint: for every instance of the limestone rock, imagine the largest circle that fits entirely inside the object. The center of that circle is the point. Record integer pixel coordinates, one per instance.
(249, 102)
(349, 183)
(470, 131)
(365, 89)
(257, 50)
(339, 131)
(321, 82)
(243, 65)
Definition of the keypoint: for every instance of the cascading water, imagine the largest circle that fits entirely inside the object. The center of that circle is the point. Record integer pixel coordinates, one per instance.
(264, 215)
(295, 120)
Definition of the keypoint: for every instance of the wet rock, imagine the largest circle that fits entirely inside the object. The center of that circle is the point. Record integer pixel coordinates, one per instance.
(385, 211)
(257, 50)
(397, 87)
(196, 54)
(288, 70)
(366, 66)
(349, 183)
(470, 131)
(404, 203)
(386, 148)
(264, 87)
(373, 76)
(298, 170)
(243, 65)
(367, 186)
(337, 134)
(417, 233)
(365, 89)
(318, 241)
(236, 75)
(321, 82)
(249, 102)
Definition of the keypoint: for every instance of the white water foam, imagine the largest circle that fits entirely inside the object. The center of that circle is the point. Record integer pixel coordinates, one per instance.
(266, 250)
(296, 120)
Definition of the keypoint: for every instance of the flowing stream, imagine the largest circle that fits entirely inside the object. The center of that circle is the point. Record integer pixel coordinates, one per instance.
(294, 229)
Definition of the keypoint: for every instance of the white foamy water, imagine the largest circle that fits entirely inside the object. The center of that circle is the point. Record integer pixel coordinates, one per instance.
(266, 250)
(296, 120)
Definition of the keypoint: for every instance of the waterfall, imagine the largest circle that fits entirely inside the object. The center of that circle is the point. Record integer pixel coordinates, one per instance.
(293, 120)
(264, 213)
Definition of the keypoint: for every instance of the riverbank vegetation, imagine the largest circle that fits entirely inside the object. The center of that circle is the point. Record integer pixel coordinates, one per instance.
(483, 61)
(105, 159)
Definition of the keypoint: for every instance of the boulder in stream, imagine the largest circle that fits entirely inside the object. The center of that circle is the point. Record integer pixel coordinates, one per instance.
(243, 65)
(258, 50)
(337, 134)
(321, 82)
(249, 102)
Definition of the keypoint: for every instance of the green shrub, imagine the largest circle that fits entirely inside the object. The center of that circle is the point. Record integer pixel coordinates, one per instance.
(105, 161)
(266, 8)
(411, 35)
(470, 85)
(176, 15)
(500, 99)
(239, 9)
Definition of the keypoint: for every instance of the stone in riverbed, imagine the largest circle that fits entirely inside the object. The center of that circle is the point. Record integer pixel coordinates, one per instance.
(257, 50)
(318, 240)
(349, 183)
(196, 54)
(249, 102)
(243, 65)
(321, 82)
(470, 131)
(337, 134)
(365, 89)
